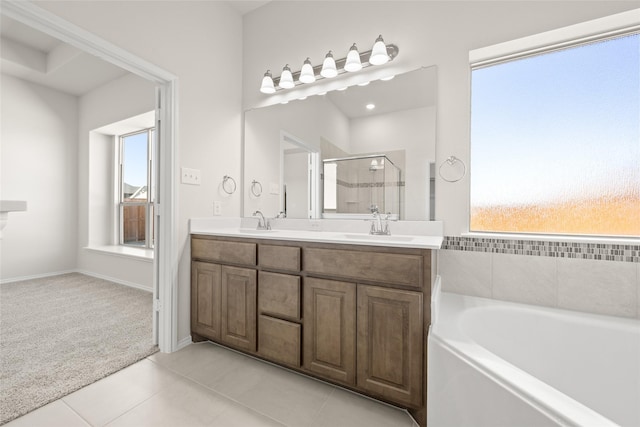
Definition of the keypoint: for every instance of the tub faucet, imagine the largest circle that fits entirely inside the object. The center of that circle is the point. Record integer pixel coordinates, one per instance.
(263, 223)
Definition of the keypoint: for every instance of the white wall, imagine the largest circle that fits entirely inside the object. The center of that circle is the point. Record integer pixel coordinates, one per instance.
(39, 164)
(201, 43)
(119, 99)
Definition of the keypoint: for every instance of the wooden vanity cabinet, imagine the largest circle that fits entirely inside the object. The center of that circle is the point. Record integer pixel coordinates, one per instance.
(206, 289)
(238, 311)
(330, 329)
(390, 345)
(223, 296)
(352, 315)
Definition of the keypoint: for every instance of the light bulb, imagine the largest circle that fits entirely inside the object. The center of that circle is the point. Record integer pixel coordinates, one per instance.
(379, 53)
(329, 67)
(306, 74)
(353, 60)
(286, 79)
(267, 83)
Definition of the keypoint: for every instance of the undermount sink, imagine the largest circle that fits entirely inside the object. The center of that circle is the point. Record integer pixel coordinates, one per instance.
(255, 231)
(379, 237)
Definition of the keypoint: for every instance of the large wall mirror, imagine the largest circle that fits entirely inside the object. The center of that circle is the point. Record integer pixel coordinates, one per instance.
(346, 153)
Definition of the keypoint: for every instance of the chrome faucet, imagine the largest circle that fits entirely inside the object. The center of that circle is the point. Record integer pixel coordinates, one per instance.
(376, 223)
(263, 223)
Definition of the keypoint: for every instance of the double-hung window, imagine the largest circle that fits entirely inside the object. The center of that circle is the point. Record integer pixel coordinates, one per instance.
(555, 140)
(136, 186)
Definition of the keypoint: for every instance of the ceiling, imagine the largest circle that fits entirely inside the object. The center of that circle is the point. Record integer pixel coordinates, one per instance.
(245, 6)
(39, 58)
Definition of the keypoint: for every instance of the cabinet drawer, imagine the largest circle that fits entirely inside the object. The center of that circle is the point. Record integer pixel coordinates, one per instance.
(279, 294)
(224, 251)
(279, 257)
(279, 340)
(401, 269)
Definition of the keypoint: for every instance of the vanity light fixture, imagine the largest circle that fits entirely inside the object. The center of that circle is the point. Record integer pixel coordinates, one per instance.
(286, 78)
(331, 67)
(307, 75)
(370, 106)
(267, 83)
(379, 54)
(353, 60)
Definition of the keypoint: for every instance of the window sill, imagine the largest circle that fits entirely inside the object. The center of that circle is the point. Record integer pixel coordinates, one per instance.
(555, 238)
(141, 254)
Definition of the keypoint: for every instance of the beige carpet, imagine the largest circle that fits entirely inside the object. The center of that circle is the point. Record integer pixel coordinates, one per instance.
(60, 333)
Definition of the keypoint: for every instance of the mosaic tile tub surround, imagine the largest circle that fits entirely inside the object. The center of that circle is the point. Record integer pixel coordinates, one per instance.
(586, 277)
(593, 251)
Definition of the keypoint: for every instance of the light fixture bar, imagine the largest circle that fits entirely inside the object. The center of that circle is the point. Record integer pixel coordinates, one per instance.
(392, 51)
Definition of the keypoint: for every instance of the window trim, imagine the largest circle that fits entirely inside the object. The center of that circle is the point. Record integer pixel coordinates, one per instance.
(581, 33)
(149, 204)
(624, 23)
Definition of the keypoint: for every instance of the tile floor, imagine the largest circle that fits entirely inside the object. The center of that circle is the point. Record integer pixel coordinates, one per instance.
(207, 385)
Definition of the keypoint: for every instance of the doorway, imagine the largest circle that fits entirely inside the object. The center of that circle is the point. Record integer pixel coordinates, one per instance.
(165, 259)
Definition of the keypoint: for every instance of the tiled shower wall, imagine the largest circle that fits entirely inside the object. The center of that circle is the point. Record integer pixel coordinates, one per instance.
(594, 278)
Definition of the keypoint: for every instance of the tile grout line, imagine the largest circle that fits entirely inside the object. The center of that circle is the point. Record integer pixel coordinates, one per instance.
(64, 402)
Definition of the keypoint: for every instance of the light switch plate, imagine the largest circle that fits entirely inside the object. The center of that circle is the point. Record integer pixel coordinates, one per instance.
(190, 176)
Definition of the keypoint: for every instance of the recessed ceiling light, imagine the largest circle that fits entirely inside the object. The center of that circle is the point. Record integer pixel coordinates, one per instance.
(371, 106)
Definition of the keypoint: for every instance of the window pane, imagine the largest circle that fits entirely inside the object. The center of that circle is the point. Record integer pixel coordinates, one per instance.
(134, 167)
(133, 223)
(555, 142)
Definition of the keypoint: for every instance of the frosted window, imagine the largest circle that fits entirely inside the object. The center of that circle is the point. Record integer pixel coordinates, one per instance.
(555, 142)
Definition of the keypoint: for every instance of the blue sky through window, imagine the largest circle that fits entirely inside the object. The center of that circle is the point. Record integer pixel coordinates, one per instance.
(135, 160)
(559, 126)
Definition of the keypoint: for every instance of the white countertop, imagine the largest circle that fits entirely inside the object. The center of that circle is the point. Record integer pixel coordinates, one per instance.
(404, 234)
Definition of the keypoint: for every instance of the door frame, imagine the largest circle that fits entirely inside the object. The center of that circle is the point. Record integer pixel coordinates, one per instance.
(165, 259)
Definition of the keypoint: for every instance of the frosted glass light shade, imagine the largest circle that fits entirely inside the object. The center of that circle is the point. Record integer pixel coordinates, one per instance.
(286, 78)
(267, 83)
(329, 67)
(306, 74)
(353, 60)
(379, 53)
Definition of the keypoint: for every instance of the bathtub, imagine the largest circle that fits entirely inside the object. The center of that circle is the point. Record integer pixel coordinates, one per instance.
(493, 363)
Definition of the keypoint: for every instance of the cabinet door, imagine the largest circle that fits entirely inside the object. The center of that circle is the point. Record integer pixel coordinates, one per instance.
(330, 329)
(238, 325)
(205, 299)
(390, 344)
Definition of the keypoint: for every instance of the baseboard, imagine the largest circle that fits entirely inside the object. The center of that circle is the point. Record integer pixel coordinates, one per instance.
(36, 276)
(183, 343)
(112, 279)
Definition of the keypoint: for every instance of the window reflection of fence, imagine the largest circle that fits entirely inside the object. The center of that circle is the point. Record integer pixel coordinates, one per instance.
(134, 222)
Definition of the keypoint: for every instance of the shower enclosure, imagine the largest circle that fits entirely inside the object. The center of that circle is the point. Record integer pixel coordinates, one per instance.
(357, 186)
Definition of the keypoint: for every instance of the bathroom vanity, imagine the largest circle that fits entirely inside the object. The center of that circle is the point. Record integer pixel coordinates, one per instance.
(353, 310)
